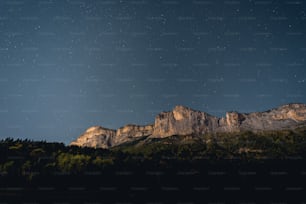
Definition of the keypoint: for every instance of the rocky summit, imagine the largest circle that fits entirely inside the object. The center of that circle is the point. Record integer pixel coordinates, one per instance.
(186, 121)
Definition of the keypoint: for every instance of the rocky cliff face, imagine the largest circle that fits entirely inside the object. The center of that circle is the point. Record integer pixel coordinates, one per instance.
(97, 137)
(185, 121)
(100, 137)
(283, 117)
(129, 133)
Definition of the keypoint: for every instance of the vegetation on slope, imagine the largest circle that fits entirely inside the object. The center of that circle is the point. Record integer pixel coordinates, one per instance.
(29, 158)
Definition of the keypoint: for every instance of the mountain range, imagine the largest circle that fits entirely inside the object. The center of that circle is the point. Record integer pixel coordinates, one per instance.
(184, 121)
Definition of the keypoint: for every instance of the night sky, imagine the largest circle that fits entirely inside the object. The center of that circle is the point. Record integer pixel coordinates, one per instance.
(68, 65)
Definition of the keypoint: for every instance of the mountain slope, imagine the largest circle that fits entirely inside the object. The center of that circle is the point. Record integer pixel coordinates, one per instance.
(186, 121)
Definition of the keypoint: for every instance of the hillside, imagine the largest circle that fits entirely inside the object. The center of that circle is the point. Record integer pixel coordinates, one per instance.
(184, 121)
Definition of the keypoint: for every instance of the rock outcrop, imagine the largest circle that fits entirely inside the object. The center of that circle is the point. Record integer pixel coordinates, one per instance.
(185, 121)
(100, 137)
(130, 133)
(284, 117)
(97, 137)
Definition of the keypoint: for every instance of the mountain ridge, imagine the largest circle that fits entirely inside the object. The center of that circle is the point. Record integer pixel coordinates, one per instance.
(183, 120)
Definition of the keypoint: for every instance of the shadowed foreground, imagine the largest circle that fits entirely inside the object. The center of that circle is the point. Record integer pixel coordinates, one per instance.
(223, 181)
(244, 168)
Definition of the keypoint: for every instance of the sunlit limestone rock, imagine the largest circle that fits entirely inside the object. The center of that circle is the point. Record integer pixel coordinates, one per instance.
(96, 136)
(100, 137)
(185, 121)
(231, 122)
(130, 133)
(296, 112)
(284, 117)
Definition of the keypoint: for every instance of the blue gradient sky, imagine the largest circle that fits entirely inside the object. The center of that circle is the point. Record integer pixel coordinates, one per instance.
(68, 65)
